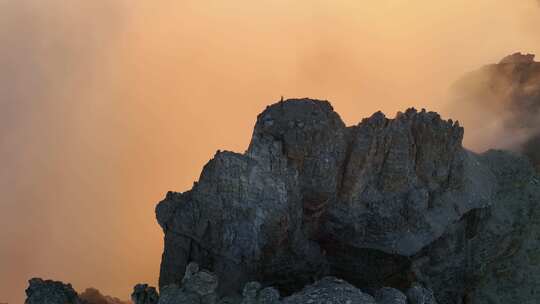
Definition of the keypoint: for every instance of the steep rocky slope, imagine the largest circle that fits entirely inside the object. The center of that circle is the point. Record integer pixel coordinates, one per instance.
(388, 202)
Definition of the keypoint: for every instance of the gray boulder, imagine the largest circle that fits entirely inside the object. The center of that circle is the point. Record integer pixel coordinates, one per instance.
(172, 294)
(144, 294)
(330, 290)
(197, 286)
(250, 292)
(268, 295)
(42, 291)
(254, 293)
(200, 282)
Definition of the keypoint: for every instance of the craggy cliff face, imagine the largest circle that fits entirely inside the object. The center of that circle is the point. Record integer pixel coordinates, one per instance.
(387, 202)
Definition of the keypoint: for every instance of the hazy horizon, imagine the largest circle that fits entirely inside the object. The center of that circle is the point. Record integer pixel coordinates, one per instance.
(108, 104)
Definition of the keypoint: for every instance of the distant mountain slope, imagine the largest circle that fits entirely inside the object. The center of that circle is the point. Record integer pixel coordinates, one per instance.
(509, 93)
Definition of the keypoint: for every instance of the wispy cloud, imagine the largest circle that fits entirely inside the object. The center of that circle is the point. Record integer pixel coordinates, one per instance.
(107, 104)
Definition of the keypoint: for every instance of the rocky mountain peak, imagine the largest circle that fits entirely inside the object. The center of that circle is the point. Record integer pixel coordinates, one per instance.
(374, 203)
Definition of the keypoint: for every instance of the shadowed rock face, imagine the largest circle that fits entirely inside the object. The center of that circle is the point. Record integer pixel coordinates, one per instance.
(199, 286)
(331, 290)
(384, 203)
(144, 294)
(399, 183)
(531, 148)
(50, 292)
(42, 291)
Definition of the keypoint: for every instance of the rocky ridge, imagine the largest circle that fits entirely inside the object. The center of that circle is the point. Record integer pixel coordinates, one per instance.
(387, 202)
(41, 291)
(199, 287)
(50, 292)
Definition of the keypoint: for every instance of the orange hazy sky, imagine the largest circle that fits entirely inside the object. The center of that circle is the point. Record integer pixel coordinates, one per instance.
(108, 104)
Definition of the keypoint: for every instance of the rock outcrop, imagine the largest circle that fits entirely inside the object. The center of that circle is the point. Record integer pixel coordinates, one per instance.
(144, 294)
(389, 295)
(42, 291)
(518, 58)
(334, 290)
(331, 290)
(50, 292)
(504, 99)
(197, 287)
(388, 202)
(420, 295)
(253, 293)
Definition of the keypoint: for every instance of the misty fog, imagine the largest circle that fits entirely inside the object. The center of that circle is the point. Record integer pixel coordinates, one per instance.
(108, 104)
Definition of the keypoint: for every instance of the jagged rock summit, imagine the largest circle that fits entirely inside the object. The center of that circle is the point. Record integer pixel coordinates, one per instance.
(387, 202)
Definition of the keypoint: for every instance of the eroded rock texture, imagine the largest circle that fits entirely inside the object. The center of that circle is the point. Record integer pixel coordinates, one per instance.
(331, 290)
(337, 291)
(50, 292)
(199, 286)
(41, 291)
(144, 294)
(388, 202)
